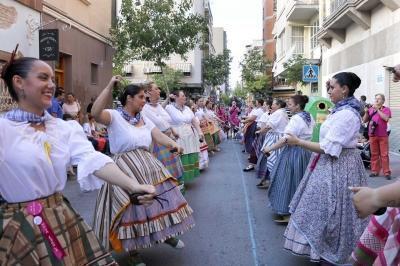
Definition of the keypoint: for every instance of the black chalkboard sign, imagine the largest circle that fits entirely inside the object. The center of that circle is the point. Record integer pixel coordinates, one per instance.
(48, 45)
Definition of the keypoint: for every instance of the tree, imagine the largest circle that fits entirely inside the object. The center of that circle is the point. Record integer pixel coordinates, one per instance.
(239, 91)
(155, 30)
(170, 79)
(216, 68)
(294, 70)
(254, 76)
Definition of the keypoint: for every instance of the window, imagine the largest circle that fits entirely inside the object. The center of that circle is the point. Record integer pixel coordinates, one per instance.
(94, 69)
(298, 39)
(281, 45)
(314, 31)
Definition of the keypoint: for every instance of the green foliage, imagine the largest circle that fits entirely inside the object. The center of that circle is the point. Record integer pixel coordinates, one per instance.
(254, 67)
(117, 91)
(169, 79)
(225, 99)
(216, 68)
(155, 30)
(294, 70)
(240, 92)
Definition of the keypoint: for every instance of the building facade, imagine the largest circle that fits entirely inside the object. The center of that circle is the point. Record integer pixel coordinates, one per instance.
(219, 43)
(19, 21)
(85, 60)
(295, 29)
(362, 37)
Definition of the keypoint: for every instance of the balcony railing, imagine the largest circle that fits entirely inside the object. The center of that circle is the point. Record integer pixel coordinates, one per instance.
(336, 4)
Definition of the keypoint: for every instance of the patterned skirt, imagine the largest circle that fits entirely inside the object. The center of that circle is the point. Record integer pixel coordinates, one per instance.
(249, 135)
(288, 171)
(203, 157)
(258, 143)
(191, 166)
(324, 222)
(380, 242)
(266, 164)
(169, 160)
(206, 129)
(22, 243)
(130, 227)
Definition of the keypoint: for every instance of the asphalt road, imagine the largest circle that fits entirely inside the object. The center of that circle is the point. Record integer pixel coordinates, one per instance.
(234, 225)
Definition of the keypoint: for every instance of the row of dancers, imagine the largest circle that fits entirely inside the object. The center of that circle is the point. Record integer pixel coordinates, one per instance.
(140, 203)
(319, 188)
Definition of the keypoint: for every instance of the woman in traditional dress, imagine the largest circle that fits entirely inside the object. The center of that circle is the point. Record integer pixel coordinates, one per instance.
(132, 227)
(223, 116)
(234, 120)
(38, 224)
(249, 133)
(154, 111)
(188, 129)
(324, 223)
(273, 130)
(291, 164)
(214, 125)
(201, 114)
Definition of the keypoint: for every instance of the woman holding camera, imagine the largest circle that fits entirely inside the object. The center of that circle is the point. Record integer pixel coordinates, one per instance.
(378, 117)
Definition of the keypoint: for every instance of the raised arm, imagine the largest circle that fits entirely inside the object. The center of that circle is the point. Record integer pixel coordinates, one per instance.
(98, 111)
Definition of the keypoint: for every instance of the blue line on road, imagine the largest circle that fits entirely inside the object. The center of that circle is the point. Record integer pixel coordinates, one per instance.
(249, 215)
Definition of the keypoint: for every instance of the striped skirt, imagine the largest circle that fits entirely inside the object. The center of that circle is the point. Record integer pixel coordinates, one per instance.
(266, 164)
(324, 222)
(288, 171)
(258, 143)
(130, 227)
(22, 243)
(169, 160)
(380, 242)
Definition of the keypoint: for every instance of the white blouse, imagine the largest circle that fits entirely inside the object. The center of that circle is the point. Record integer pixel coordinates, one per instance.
(158, 116)
(180, 117)
(200, 113)
(263, 120)
(33, 164)
(298, 127)
(258, 112)
(278, 121)
(340, 130)
(125, 137)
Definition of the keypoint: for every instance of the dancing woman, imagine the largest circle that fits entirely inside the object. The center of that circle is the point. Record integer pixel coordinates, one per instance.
(205, 121)
(188, 128)
(324, 223)
(131, 227)
(273, 130)
(154, 111)
(291, 164)
(38, 224)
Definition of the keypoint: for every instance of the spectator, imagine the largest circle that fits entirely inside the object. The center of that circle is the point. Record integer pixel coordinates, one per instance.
(89, 107)
(363, 102)
(100, 143)
(71, 106)
(56, 103)
(378, 117)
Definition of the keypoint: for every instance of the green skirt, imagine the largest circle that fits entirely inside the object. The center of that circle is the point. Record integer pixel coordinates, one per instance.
(190, 164)
(210, 141)
(216, 138)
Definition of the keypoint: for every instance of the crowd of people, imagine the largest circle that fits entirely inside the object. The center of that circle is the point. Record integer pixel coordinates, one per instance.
(319, 188)
(152, 148)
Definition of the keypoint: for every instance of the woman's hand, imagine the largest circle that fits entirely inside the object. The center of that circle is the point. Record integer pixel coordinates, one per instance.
(201, 137)
(175, 148)
(267, 151)
(365, 200)
(174, 133)
(291, 139)
(115, 80)
(148, 198)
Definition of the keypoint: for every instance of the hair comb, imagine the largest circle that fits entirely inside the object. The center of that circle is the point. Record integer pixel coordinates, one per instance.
(12, 58)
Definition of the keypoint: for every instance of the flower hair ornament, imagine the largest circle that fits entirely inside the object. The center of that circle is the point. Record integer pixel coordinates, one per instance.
(12, 59)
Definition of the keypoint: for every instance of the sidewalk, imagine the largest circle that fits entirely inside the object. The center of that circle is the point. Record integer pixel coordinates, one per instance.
(395, 167)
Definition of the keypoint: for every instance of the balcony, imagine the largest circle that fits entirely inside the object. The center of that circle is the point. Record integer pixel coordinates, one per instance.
(302, 10)
(344, 13)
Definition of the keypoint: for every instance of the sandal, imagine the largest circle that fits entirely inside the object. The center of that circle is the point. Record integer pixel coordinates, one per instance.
(248, 168)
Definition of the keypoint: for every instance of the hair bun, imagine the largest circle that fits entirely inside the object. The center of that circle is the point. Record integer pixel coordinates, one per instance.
(355, 80)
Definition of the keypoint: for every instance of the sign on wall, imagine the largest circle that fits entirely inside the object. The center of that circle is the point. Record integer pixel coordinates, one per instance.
(48, 44)
(310, 73)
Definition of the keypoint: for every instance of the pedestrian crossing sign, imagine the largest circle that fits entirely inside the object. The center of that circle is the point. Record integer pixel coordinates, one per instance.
(310, 73)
